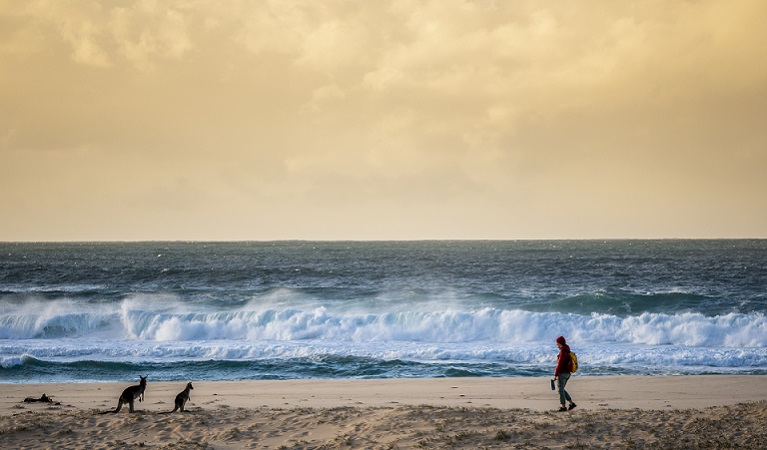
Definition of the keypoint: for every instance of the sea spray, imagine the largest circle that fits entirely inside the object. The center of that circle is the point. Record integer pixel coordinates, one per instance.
(170, 323)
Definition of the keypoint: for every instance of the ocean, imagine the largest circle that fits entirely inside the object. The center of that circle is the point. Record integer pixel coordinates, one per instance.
(97, 312)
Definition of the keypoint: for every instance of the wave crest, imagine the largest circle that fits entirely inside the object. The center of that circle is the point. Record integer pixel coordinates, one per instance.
(170, 320)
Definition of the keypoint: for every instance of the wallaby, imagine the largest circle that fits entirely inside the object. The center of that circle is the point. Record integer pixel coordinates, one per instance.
(181, 399)
(129, 395)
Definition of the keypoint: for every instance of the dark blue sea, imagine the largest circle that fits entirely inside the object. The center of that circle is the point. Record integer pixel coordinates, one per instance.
(83, 312)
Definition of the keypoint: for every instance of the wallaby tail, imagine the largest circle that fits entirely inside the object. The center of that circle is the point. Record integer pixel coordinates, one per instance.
(113, 411)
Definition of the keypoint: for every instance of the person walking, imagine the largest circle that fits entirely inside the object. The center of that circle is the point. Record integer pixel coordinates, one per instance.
(562, 374)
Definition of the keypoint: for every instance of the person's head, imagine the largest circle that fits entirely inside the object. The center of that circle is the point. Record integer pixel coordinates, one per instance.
(561, 341)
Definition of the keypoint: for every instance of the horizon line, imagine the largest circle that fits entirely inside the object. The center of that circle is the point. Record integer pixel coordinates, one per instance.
(137, 241)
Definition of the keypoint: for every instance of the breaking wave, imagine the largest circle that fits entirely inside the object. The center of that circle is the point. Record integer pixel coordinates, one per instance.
(149, 320)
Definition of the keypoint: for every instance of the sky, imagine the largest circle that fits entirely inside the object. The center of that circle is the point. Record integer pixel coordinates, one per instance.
(386, 120)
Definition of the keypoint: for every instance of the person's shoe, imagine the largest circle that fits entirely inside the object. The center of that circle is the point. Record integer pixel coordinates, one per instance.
(561, 409)
(572, 405)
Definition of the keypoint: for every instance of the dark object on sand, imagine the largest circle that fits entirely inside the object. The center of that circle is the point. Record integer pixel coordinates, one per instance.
(43, 399)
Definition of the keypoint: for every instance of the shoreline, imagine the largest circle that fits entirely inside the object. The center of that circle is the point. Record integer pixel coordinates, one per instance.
(702, 411)
(589, 392)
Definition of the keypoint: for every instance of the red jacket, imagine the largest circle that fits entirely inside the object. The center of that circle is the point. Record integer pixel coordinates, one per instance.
(563, 361)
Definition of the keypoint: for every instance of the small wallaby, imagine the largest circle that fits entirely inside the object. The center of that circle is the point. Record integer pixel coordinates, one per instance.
(181, 399)
(129, 395)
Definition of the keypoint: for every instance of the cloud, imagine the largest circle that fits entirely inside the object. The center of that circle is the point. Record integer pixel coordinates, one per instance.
(148, 31)
(83, 37)
(552, 113)
(323, 96)
(99, 34)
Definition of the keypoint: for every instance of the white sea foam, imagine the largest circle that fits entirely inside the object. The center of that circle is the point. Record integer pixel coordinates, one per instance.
(595, 359)
(170, 320)
(7, 362)
(515, 326)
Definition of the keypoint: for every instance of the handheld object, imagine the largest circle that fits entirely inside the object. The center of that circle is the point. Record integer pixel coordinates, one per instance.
(552, 385)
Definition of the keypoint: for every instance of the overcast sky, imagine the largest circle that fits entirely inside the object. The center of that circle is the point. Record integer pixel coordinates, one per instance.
(445, 119)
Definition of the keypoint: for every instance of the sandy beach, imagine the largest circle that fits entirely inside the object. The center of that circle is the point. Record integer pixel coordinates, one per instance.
(612, 412)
